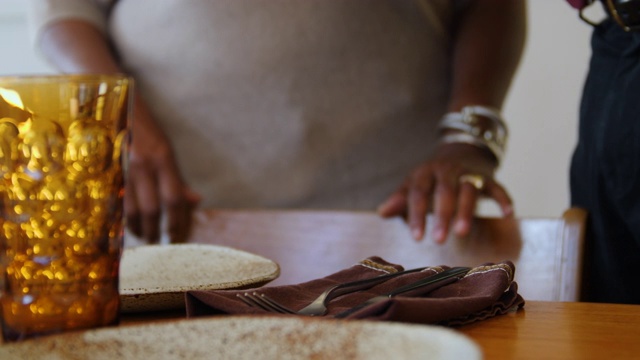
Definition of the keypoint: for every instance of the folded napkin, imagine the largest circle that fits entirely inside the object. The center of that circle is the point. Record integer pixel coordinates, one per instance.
(485, 291)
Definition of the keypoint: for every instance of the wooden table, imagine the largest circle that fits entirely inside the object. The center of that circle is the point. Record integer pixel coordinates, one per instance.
(542, 330)
(311, 244)
(561, 330)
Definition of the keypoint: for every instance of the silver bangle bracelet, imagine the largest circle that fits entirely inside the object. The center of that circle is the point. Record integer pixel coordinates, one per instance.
(478, 125)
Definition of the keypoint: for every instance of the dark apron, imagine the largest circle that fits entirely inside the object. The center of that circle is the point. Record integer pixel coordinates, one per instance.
(605, 169)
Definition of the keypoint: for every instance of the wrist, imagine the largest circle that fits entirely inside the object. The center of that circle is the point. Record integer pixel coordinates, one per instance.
(468, 155)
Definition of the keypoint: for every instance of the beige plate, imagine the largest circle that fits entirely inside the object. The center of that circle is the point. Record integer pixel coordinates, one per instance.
(246, 337)
(155, 277)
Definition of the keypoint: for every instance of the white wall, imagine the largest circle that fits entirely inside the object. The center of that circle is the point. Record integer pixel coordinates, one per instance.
(17, 53)
(541, 108)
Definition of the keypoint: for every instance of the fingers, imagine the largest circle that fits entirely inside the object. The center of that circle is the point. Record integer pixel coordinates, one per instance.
(131, 210)
(497, 192)
(155, 186)
(395, 204)
(411, 202)
(419, 190)
(142, 204)
(467, 200)
(454, 193)
(445, 198)
(150, 191)
(179, 201)
(177, 222)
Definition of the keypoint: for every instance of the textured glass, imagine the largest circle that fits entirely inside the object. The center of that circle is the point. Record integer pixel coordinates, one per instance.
(62, 142)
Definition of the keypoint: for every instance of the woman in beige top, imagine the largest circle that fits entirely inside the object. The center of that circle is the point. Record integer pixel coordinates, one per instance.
(296, 104)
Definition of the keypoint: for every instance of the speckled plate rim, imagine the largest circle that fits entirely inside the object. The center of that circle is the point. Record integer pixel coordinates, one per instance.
(229, 337)
(144, 299)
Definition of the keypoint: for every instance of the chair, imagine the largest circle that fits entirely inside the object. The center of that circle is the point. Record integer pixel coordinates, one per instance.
(309, 244)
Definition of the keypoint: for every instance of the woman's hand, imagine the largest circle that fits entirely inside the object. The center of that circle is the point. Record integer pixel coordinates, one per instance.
(436, 185)
(154, 183)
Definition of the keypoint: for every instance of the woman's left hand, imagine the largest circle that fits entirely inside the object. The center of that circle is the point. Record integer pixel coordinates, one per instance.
(449, 183)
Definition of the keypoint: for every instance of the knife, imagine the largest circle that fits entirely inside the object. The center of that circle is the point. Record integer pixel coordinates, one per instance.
(446, 277)
(353, 286)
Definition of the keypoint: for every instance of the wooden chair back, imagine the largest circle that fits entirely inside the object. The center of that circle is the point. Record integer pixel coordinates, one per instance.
(309, 244)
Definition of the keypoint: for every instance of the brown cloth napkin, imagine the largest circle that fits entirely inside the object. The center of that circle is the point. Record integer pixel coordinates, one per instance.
(485, 291)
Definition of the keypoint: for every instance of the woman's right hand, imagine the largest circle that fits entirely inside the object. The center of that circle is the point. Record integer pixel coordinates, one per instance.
(154, 186)
(154, 183)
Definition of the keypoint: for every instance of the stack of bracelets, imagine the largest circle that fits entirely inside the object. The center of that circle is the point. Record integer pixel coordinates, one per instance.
(476, 125)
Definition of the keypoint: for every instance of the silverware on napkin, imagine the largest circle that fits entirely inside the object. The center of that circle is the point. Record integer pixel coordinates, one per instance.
(446, 277)
(318, 307)
(348, 288)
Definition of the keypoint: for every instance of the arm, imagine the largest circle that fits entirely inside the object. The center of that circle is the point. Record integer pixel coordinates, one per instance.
(489, 41)
(487, 45)
(154, 183)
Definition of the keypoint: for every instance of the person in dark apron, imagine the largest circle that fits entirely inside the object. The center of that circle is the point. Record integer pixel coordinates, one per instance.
(605, 168)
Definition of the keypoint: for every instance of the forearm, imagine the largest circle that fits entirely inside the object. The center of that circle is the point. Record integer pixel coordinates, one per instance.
(489, 40)
(75, 46)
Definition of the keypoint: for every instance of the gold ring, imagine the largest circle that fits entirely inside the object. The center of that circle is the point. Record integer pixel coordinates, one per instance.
(477, 181)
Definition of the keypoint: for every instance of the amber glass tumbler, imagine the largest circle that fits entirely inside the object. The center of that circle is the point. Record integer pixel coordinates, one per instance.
(63, 141)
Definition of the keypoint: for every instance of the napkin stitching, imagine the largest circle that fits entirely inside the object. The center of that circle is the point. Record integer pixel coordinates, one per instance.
(367, 263)
(488, 268)
(436, 269)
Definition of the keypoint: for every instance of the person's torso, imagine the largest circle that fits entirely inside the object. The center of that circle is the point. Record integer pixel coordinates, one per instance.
(291, 103)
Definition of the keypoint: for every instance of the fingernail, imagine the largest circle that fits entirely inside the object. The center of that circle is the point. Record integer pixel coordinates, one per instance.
(461, 226)
(507, 210)
(438, 234)
(417, 234)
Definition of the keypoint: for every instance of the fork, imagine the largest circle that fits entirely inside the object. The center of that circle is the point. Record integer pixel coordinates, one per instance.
(318, 307)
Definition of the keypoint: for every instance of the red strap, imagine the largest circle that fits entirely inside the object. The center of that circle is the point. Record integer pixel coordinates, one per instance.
(579, 4)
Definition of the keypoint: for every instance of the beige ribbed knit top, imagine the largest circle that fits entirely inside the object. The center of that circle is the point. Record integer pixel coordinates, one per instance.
(285, 103)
